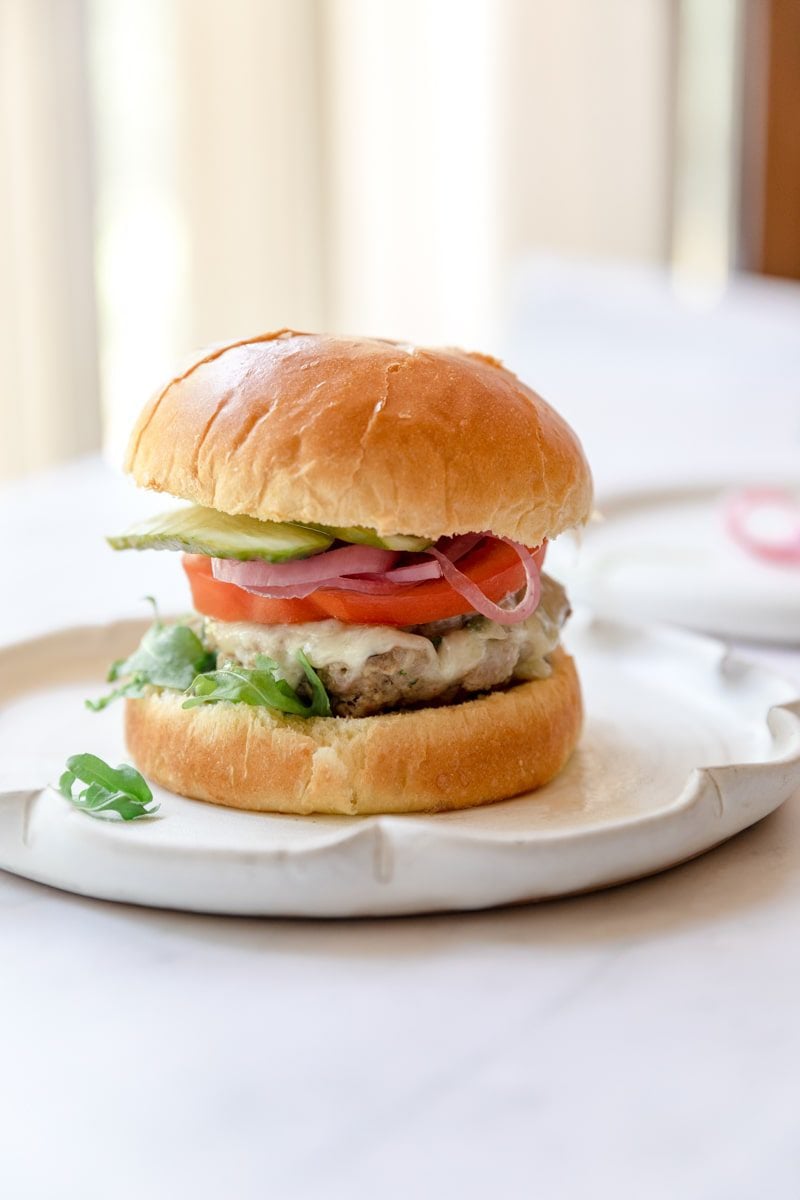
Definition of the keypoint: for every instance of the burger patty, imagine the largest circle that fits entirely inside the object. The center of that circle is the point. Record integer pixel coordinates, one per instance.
(368, 669)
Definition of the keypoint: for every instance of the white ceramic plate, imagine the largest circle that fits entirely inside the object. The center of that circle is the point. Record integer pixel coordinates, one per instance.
(665, 555)
(678, 754)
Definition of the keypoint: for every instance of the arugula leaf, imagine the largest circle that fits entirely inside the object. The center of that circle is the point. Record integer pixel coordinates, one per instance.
(173, 656)
(260, 686)
(168, 656)
(320, 704)
(112, 793)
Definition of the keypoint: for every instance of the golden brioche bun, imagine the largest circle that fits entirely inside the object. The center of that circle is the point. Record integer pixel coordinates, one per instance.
(356, 431)
(425, 760)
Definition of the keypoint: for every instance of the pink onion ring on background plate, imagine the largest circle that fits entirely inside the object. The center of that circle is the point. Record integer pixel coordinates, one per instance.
(481, 603)
(747, 505)
(346, 560)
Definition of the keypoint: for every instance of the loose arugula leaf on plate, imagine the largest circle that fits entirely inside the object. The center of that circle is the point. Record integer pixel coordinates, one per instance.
(168, 656)
(111, 793)
(260, 686)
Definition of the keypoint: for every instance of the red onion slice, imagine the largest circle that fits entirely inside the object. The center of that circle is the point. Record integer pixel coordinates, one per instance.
(414, 572)
(292, 591)
(346, 560)
(739, 520)
(368, 570)
(456, 547)
(426, 567)
(370, 585)
(480, 602)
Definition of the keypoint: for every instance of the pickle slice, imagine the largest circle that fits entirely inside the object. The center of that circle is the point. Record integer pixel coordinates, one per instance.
(360, 536)
(199, 530)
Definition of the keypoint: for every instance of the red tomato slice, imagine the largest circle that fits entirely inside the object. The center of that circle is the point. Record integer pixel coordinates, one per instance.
(226, 602)
(494, 565)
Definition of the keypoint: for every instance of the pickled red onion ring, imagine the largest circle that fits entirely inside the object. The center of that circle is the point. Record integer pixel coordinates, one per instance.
(419, 572)
(739, 522)
(414, 573)
(346, 560)
(370, 585)
(349, 568)
(480, 602)
(360, 570)
(456, 547)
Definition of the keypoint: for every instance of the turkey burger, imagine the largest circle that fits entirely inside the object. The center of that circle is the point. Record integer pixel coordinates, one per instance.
(364, 546)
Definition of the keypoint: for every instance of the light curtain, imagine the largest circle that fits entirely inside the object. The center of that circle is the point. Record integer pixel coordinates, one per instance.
(48, 347)
(376, 166)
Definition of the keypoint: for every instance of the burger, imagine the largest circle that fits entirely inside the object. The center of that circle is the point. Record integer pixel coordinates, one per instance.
(364, 538)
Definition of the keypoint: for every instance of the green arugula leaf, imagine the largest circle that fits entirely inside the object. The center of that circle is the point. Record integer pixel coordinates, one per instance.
(320, 703)
(260, 686)
(112, 793)
(168, 656)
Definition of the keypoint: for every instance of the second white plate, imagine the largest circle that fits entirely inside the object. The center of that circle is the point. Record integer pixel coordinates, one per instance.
(665, 555)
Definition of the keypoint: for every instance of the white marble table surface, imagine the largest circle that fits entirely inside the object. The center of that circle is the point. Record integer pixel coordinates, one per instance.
(643, 1042)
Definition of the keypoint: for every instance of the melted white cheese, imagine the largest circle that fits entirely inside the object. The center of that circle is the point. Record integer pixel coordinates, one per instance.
(324, 643)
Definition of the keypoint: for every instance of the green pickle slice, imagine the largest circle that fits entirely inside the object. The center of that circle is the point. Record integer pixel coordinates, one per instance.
(360, 536)
(199, 530)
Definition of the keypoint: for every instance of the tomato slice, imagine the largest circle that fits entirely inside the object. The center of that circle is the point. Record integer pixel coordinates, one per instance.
(214, 598)
(493, 564)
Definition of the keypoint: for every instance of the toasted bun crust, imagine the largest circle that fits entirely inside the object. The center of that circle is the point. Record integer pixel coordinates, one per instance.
(355, 431)
(426, 760)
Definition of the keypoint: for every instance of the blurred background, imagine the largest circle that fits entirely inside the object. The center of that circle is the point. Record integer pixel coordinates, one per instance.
(575, 186)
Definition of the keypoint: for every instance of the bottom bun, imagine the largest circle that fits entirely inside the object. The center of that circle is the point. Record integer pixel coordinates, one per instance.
(423, 760)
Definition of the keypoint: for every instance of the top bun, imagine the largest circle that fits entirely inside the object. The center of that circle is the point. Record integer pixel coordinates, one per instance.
(357, 431)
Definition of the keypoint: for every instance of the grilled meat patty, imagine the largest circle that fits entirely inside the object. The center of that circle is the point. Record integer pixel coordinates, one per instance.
(371, 668)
